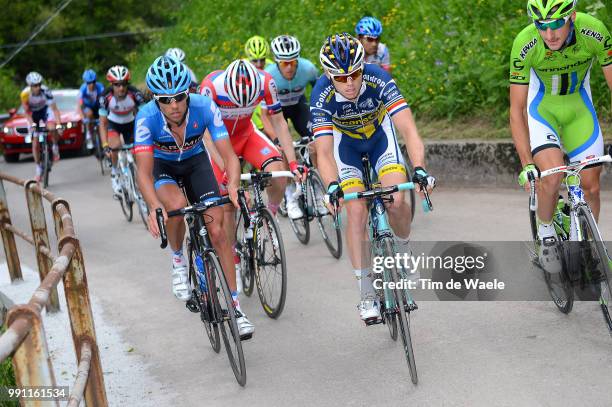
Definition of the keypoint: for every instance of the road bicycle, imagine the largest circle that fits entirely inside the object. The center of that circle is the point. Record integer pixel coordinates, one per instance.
(210, 296)
(259, 245)
(397, 304)
(98, 150)
(130, 194)
(41, 133)
(585, 259)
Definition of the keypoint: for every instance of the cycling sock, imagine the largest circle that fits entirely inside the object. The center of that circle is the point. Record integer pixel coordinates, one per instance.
(546, 230)
(236, 301)
(178, 258)
(364, 282)
(113, 171)
(290, 191)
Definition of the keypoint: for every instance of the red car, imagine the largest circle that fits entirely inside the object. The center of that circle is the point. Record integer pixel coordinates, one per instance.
(72, 138)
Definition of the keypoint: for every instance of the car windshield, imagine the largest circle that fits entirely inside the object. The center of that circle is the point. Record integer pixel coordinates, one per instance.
(66, 100)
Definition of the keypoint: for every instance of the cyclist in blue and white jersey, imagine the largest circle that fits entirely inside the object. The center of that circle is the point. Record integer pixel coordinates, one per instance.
(356, 109)
(369, 30)
(89, 104)
(170, 154)
(292, 75)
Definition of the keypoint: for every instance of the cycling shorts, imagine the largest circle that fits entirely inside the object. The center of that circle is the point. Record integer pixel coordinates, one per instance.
(125, 129)
(195, 174)
(45, 115)
(94, 110)
(254, 147)
(564, 121)
(299, 114)
(383, 152)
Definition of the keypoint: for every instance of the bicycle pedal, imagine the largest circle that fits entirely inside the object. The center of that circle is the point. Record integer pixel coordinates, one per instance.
(411, 307)
(192, 305)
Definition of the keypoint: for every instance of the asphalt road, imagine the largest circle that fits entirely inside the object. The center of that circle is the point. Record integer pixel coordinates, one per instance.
(318, 352)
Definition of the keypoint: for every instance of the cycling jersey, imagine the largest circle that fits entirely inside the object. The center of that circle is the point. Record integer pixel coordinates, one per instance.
(153, 133)
(35, 103)
(559, 96)
(363, 126)
(120, 111)
(291, 90)
(89, 98)
(238, 119)
(380, 58)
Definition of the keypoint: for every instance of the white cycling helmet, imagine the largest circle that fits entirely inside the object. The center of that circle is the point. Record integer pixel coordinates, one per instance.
(176, 53)
(118, 73)
(285, 48)
(243, 83)
(34, 78)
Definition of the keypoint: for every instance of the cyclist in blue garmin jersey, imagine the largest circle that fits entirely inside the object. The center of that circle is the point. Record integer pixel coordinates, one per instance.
(89, 104)
(170, 153)
(356, 109)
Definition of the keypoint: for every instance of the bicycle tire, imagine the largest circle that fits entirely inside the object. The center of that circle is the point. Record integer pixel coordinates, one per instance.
(224, 308)
(301, 226)
(590, 229)
(327, 224)
(244, 247)
(125, 202)
(46, 160)
(559, 285)
(403, 315)
(267, 228)
(204, 302)
(143, 210)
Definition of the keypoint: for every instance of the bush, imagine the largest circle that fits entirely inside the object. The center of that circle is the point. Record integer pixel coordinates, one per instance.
(450, 59)
(9, 91)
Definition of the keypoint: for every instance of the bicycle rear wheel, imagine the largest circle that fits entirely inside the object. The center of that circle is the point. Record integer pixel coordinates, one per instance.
(402, 308)
(270, 264)
(301, 226)
(244, 247)
(598, 268)
(226, 315)
(330, 232)
(204, 300)
(558, 284)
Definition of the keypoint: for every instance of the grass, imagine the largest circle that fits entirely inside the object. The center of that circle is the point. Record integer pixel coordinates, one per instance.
(7, 376)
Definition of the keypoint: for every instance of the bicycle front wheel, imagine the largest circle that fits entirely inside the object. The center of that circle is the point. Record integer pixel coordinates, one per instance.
(226, 315)
(203, 299)
(270, 264)
(301, 226)
(125, 200)
(143, 210)
(402, 307)
(598, 262)
(46, 163)
(330, 232)
(244, 247)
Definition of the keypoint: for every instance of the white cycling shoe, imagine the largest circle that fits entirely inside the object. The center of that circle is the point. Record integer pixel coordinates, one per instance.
(368, 310)
(180, 283)
(293, 209)
(116, 185)
(245, 327)
(548, 254)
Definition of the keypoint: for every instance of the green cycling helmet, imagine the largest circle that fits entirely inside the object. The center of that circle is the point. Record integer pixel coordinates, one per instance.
(550, 9)
(256, 47)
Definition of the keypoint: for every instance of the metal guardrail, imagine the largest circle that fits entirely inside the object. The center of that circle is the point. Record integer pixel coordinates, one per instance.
(25, 338)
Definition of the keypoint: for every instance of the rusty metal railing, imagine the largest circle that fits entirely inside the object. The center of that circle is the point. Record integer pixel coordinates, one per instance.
(25, 338)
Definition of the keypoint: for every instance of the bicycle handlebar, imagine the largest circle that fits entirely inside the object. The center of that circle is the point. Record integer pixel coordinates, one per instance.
(265, 174)
(427, 205)
(199, 207)
(577, 166)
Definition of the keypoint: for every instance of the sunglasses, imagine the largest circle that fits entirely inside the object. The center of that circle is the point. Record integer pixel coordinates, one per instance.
(91, 83)
(371, 39)
(285, 64)
(344, 78)
(35, 85)
(120, 84)
(258, 61)
(553, 25)
(166, 100)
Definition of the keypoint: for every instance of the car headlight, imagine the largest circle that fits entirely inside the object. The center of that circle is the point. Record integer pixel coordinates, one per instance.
(7, 130)
(69, 125)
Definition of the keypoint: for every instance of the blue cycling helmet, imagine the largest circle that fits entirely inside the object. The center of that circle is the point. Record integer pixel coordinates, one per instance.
(168, 76)
(89, 75)
(369, 26)
(341, 54)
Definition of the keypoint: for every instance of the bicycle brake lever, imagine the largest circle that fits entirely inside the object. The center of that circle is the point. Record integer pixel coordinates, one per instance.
(162, 228)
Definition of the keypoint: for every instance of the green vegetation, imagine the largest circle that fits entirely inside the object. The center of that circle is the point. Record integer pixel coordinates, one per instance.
(7, 376)
(65, 62)
(451, 60)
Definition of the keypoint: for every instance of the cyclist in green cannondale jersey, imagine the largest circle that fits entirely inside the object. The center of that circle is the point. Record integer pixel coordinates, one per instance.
(257, 51)
(551, 104)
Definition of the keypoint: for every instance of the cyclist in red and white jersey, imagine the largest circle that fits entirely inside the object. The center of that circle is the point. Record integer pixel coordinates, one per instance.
(118, 107)
(237, 91)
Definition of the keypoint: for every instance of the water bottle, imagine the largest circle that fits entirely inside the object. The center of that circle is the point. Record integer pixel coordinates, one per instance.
(202, 275)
